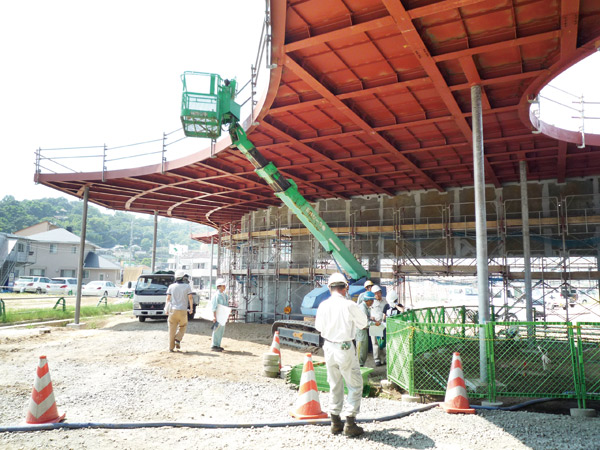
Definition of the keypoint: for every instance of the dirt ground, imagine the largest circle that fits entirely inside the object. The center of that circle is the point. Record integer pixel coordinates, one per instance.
(119, 371)
(244, 345)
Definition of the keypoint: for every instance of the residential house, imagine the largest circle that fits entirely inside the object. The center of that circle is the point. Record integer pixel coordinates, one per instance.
(15, 256)
(54, 252)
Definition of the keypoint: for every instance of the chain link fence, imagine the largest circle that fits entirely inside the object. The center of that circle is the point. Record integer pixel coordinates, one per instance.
(500, 359)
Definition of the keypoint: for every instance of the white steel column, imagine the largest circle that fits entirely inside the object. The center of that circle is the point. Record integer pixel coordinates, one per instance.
(526, 242)
(480, 225)
(154, 241)
(86, 196)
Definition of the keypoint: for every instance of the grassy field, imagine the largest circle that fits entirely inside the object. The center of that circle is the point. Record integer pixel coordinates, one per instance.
(15, 315)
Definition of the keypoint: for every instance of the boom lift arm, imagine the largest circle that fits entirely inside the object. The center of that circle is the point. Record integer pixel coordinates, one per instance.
(287, 191)
(204, 113)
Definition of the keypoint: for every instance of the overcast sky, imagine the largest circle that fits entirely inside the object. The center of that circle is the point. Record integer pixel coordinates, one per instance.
(79, 73)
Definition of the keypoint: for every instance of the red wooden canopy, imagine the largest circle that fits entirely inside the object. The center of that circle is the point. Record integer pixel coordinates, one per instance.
(373, 97)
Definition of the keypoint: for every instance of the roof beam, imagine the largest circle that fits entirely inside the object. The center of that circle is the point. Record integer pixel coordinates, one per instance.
(569, 24)
(339, 34)
(317, 86)
(488, 48)
(413, 39)
(439, 7)
(311, 150)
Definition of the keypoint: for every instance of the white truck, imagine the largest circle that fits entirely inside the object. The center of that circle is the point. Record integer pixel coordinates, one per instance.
(150, 295)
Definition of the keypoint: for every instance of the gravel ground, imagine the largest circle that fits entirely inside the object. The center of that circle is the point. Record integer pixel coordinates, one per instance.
(119, 372)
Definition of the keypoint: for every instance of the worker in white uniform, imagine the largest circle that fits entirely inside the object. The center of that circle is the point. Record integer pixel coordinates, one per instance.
(219, 298)
(377, 316)
(338, 318)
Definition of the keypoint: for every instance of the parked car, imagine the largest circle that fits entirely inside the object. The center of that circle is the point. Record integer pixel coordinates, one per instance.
(63, 286)
(100, 288)
(20, 284)
(127, 290)
(37, 285)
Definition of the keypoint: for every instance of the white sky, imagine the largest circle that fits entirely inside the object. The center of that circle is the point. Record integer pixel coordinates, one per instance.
(79, 73)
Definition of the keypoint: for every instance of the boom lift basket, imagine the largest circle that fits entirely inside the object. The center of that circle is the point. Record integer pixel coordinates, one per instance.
(206, 104)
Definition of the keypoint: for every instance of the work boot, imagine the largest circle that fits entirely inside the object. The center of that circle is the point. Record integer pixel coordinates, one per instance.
(351, 429)
(337, 426)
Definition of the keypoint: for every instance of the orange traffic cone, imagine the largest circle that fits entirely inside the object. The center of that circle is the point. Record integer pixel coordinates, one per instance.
(275, 347)
(456, 400)
(308, 405)
(42, 407)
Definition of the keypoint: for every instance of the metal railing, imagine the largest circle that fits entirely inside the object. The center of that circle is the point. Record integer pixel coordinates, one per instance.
(153, 150)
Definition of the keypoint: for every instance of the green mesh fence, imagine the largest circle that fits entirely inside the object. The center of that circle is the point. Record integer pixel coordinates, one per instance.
(295, 375)
(588, 345)
(520, 359)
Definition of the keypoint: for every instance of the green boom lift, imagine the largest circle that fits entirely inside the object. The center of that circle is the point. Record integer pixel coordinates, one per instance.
(208, 103)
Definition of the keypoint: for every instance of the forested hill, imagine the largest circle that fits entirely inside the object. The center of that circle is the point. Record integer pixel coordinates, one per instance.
(103, 229)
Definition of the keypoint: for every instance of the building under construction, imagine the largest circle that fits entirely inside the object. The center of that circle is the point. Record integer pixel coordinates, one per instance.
(375, 109)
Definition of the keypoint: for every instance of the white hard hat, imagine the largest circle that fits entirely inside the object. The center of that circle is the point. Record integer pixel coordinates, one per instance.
(368, 283)
(392, 297)
(336, 279)
(180, 274)
(221, 282)
(375, 289)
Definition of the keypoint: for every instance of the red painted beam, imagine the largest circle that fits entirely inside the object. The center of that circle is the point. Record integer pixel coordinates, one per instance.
(489, 48)
(317, 86)
(413, 39)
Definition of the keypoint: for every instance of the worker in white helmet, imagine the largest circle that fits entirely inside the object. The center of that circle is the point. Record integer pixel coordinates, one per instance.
(368, 285)
(219, 298)
(338, 319)
(393, 307)
(179, 302)
(377, 316)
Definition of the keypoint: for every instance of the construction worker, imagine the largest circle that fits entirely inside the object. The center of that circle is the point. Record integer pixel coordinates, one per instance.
(179, 297)
(377, 317)
(338, 319)
(393, 307)
(362, 335)
(219, 298)
(368, 285)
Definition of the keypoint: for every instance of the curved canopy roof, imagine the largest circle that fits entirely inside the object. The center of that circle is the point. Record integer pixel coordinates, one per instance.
(374, 97)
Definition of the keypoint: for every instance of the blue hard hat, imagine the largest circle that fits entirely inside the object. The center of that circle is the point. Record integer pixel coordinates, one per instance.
(369, 296)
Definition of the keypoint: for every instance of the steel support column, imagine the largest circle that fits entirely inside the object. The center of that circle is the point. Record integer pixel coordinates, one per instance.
(480, 225)
(154, 236)
(210, 276)
(86, 196)
(526, 241)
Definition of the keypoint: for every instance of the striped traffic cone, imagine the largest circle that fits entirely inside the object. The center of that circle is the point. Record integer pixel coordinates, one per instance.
(307, 404)
(42, 407)
(456, 400)
(275, 347)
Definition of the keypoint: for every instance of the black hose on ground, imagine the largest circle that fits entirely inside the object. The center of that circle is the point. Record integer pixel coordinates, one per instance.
(513, 407)
(120, 426)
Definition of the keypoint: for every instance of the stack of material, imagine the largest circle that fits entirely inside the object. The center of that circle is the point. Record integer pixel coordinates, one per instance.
(270, 365)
